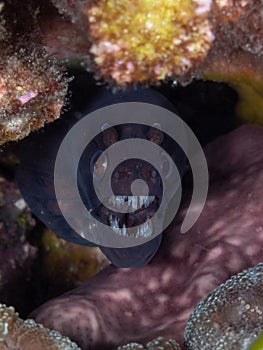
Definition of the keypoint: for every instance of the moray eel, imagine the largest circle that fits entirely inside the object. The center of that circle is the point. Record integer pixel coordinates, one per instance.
(119, 306)
(35, 174)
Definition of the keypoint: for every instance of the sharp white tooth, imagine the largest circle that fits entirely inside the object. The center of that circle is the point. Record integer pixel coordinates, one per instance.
(145, 230)
(118, 201)
(141, 200)
(116, 222)
(130, 203)
(123, 230)
(150, 199)
(135, 202)
(131, 200)
(147, 201)
(113, 221)
(141, 230)
(150, 226)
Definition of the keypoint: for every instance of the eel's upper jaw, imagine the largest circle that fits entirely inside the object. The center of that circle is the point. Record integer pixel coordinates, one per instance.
(131, 203)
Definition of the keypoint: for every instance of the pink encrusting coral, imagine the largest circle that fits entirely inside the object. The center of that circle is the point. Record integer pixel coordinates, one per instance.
(118, 306)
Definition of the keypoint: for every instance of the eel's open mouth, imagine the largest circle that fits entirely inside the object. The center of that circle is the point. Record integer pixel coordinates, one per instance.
(137, 211)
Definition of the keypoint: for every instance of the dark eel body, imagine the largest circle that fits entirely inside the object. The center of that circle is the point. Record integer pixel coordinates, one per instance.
(35, 174)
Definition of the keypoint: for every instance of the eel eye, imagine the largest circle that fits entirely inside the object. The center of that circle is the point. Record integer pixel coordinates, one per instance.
(110, 135)
(155, 134)
(98, 163)
(166, 165)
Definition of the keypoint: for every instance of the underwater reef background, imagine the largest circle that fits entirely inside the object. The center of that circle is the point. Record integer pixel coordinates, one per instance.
(206, 57)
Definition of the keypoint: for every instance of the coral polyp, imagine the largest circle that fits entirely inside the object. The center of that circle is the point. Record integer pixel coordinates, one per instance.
(21, 335)
(151, 41)
(230, 317)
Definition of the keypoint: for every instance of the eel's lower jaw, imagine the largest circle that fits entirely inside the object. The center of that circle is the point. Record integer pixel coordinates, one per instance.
(144, 208)
(143, 230)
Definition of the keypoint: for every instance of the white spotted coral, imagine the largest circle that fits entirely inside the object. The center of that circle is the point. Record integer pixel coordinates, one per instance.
(156, 344)
(230, 316)
(16, 334)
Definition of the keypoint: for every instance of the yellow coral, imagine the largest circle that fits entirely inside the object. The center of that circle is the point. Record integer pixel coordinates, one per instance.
(67, 263)
(150, 41)
(258, 344)
(249, 85)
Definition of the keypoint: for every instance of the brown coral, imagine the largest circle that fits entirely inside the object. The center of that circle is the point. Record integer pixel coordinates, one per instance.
(69, 7)
(2, 23)
(236, 55)
(60, 35)
(17, 255)
(238, 23)
(16, 334)
(32, 90)
(32, 84)
(230, 316)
